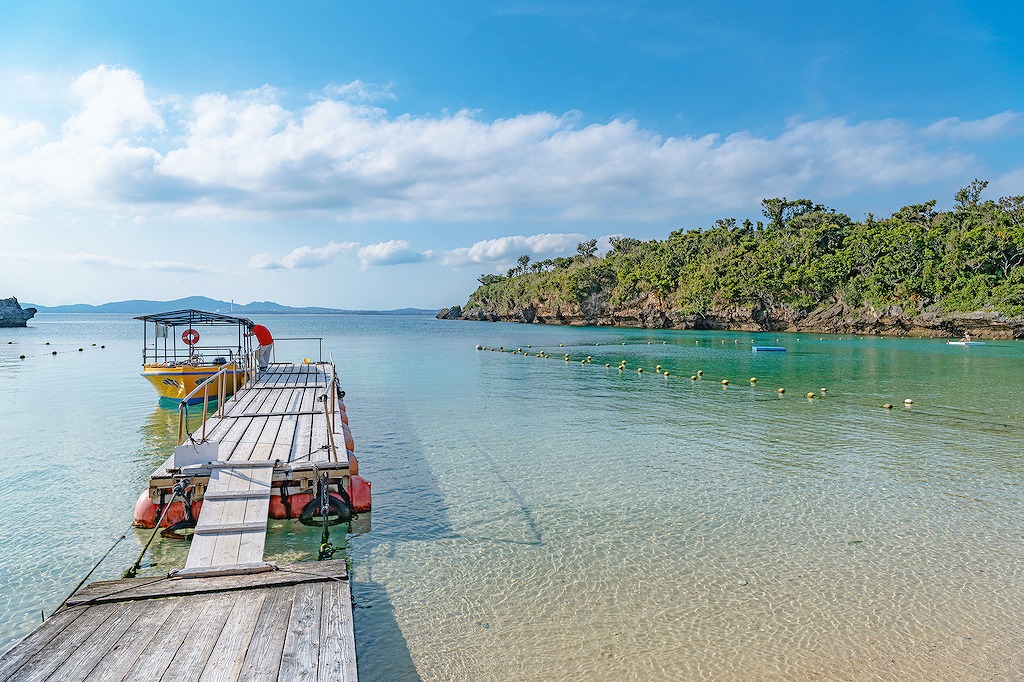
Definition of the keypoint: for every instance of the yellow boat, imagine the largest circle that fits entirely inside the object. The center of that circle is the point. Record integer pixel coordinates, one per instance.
(175, 382)
(175, 363)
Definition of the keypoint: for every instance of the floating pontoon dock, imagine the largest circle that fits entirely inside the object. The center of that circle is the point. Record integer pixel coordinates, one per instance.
(227, 615)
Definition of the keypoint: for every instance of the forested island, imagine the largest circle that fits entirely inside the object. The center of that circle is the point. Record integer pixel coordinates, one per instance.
(806, 267)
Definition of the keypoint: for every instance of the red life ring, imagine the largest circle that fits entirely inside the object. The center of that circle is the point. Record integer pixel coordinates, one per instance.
(190, 337)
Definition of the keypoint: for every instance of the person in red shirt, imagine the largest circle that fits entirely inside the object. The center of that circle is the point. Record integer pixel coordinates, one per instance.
(266, 341)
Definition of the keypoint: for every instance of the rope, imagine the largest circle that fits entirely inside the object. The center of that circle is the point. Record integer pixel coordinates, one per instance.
(91, 570)
(179, 489)
(314, 575)
(129, 588)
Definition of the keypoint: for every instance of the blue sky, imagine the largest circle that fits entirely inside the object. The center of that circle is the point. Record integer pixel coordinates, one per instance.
(385, 154)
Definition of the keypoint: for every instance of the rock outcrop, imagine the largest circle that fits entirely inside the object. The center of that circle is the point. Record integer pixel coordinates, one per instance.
(453, 313)
(12, 314)
(836, 318)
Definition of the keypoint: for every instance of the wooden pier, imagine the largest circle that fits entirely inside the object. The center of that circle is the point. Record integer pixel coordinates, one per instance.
(291, 623)
(227, 615)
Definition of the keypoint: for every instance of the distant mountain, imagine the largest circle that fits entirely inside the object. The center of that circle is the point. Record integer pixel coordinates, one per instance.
(142, 307)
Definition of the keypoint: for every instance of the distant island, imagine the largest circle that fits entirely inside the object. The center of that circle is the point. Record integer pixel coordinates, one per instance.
(806, 268)
(144, 307)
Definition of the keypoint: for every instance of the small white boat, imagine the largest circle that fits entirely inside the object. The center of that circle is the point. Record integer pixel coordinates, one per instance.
(965, 343)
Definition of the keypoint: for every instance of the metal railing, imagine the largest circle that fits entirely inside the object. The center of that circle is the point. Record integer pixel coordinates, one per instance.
(318, 339)
(249, 370)
(330, 400)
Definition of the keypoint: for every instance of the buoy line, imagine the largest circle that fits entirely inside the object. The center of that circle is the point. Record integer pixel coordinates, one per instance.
(659, 371)
(51, 350)
(909, 405)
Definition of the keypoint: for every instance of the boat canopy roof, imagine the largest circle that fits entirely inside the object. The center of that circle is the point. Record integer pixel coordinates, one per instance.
(191, 318)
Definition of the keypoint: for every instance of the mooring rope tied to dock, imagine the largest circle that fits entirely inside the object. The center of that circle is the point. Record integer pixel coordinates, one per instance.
(178, 489)
(92, 570)
(129, 588)
(316, 575)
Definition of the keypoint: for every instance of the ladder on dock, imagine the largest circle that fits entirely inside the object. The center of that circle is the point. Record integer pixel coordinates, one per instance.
(232, 525)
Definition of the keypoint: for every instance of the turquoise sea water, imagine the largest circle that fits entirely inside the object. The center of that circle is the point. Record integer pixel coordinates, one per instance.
(536, 519)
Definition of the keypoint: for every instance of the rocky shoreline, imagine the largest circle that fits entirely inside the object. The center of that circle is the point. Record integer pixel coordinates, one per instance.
(836, 318)
(13, 315)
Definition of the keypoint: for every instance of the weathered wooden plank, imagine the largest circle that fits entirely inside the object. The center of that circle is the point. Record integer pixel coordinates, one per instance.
(155, 659)
(63, 644)
(319, 443)
(212, 571)
(233, 495)
(337, 650)
(299, 657)
(125, 653)
(143, 588)
(225, 661)
(228, 528)
(194, 652)
(81, 664)
(301, 449)
(39, 638)
(263, 659)
(204, 547)
(283, 444)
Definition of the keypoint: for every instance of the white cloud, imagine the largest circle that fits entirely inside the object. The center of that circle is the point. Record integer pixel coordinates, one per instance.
(112, 104)
(1006, 185)
(393, 252)
(358, 91)
(303, 257)
(1005, 124)
(83, 258)
(506, 249)
(247, 154)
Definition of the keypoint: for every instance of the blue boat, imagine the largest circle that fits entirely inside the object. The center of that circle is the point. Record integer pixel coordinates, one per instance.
(767, 349)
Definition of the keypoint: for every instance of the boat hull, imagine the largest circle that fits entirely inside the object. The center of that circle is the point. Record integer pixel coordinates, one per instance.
(174, 383)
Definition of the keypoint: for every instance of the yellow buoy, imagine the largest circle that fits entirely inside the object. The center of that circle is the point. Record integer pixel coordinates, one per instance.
(753, 380)
(559, 345)
(725, 382)
(811, 395)
(824, 390)
(658, 367)
(583, 362)
(666, 373)
(887, 406)
(693, 377)
(908, 401)
(607, 364)
(700, 372)
(639, 370)
(782, 390)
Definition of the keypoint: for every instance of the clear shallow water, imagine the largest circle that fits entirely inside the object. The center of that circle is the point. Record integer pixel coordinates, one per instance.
(542, 520)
